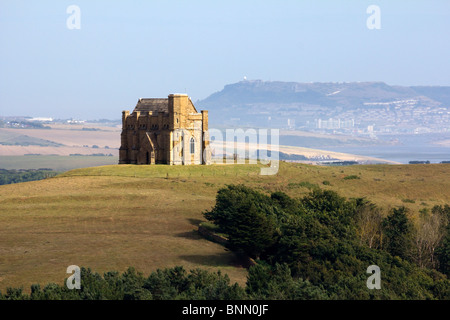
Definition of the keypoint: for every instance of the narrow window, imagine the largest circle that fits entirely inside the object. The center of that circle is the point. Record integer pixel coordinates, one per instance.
(192, 145)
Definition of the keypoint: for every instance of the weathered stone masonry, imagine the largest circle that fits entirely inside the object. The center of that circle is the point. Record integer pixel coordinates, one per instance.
(165, 131)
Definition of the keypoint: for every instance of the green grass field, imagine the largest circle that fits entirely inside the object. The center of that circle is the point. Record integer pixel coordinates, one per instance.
(113, 217)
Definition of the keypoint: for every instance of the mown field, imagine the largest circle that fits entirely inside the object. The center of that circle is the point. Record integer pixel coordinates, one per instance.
(113, 217)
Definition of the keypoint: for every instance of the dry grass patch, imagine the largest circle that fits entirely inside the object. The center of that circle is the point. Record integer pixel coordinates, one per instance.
(113, 217)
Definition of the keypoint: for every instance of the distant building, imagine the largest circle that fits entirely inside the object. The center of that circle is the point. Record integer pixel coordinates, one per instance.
(291, 123)
(335, 123)
(39, 119)
(72, 121)
(165, 131)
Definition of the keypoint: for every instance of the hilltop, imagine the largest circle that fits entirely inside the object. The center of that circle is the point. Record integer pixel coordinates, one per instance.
(113, 217)
(301, 105)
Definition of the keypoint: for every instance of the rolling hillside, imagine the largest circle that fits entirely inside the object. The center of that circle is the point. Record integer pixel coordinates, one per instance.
(113, 217)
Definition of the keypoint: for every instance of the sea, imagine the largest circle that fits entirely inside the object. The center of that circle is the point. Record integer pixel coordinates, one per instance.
(407, 147)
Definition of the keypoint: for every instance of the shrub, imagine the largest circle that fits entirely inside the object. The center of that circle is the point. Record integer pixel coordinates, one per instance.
(351, 177)
(303, 184)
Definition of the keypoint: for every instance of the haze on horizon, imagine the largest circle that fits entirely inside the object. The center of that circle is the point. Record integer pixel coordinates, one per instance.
(129, 49)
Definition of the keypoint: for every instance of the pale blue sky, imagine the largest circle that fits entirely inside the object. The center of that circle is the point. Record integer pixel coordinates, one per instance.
(131, 49)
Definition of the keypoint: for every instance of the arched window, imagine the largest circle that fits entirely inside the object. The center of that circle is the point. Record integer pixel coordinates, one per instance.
(192, 145)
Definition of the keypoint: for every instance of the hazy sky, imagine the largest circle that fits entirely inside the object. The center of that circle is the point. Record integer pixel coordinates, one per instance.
(125, 50)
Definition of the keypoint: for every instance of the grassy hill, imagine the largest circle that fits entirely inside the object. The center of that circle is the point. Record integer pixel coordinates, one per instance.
(112, 217)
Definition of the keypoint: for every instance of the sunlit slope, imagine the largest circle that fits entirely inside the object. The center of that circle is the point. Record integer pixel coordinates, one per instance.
(112, 217)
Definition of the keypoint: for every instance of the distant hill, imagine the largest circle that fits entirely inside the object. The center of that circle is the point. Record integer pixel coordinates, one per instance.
(271, 103)
(438, 93)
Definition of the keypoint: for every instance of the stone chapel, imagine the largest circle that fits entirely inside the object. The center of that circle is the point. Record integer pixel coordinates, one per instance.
(165, 131)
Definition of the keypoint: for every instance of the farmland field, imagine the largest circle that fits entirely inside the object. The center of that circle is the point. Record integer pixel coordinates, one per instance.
(64, 140)
(57, 163)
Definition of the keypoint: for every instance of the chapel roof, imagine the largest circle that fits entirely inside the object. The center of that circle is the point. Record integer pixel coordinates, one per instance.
(152, 104)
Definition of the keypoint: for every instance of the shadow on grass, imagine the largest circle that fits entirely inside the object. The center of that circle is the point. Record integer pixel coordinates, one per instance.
(194, 222)
(224, 259)
(191, 235)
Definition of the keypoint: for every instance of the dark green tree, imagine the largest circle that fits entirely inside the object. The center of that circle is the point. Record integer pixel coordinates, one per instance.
(332, 210)
(247, 217)
(398, 231)
(443, 251)
(277, 283)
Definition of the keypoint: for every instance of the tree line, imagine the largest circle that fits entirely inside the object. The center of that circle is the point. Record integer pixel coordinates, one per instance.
(24, 175)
